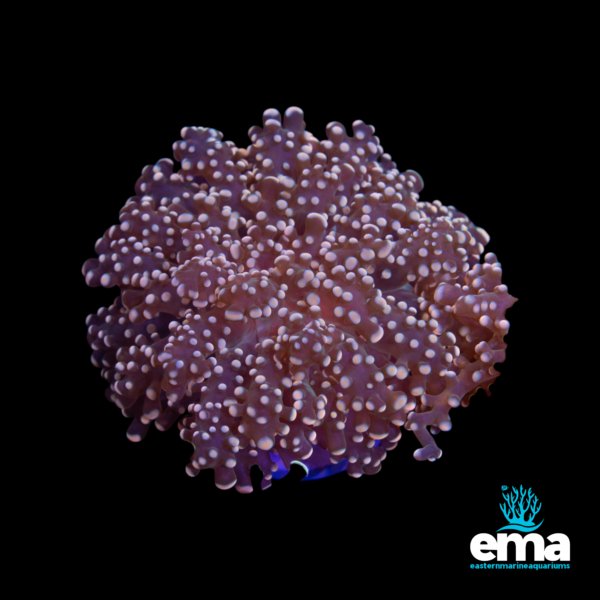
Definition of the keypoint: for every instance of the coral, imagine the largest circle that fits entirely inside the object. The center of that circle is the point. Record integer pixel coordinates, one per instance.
(293, 301)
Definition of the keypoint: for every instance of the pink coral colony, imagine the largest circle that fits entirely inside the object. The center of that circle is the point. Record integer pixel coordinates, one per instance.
(293, 301)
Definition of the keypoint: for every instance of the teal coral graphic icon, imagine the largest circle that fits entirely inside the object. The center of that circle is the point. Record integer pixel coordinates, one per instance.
(515, 510)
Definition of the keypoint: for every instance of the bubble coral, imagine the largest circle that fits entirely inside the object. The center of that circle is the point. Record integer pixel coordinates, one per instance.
(293, 302)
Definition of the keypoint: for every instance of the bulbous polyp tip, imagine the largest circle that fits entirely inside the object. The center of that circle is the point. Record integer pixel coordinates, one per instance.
(271, 114)
(418, 184)
(294, 119)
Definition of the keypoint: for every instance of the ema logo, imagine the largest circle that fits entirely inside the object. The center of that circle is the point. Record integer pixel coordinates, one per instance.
(520, 510)
(515, 513)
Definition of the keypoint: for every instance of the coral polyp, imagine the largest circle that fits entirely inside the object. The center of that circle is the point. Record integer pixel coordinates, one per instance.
(293, 301)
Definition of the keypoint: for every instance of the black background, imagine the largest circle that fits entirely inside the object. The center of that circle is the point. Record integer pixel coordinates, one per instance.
(477, 144)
